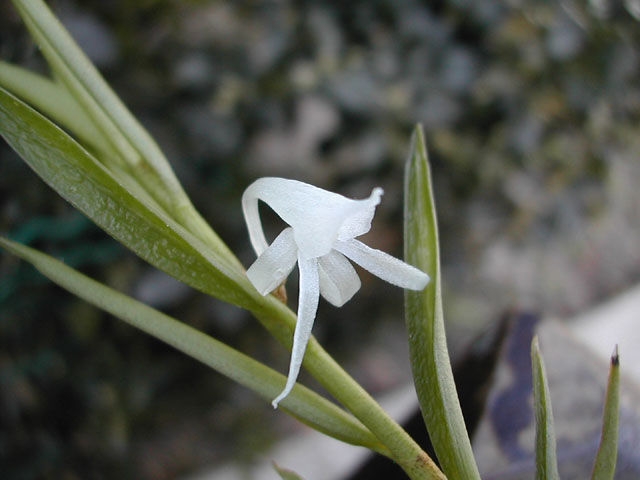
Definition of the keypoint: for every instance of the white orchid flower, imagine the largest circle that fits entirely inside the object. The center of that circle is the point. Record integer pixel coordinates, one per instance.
(322, 232)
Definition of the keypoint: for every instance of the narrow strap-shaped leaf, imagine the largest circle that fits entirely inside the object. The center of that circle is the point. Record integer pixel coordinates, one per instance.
(80, 179)
(430, 362)
(84, 81)
(54, 101)
(546, 461)
(286, 474)
(303, 403)
(84, 182)
(604, 466)
(120, 128)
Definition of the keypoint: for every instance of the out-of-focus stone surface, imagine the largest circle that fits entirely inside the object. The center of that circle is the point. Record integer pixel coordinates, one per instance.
(313, 455)
(504, 442)
(615, 322)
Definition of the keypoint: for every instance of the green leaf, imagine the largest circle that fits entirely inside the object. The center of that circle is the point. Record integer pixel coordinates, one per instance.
(86, 84)
(149, 232)
(546, 462)
(303, 403)
(142, 156)
(286, 474)
(54, 101)
(430, 362)
(604, 467)
(84, 182)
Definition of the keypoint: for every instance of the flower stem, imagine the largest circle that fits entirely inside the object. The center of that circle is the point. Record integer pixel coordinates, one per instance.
(404, 450)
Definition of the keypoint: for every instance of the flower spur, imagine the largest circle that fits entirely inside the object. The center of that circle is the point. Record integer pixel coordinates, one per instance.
(322, 232)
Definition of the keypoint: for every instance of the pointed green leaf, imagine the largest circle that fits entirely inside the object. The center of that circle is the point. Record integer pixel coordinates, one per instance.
(86, 84)
(430, 362)
(93, 189)
(142, 156)
(604, 467)
(84, 182)
(546, 461)
(286, 474)
(54, 101)
(303, 403)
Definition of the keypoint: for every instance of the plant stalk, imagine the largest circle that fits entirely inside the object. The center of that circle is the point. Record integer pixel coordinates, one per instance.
(404, 450)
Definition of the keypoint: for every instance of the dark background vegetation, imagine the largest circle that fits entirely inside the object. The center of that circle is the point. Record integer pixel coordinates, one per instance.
(531, 111)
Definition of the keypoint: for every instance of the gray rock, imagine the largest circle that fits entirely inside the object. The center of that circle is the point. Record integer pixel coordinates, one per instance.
(526, 134)
(458, 70)
(193, 71)
(504, 442)
(565, 39)
(93, 35)
(211, 135)
(438, 110)
(356, 91)
(633, 7)
(293, 151)
(159, 290)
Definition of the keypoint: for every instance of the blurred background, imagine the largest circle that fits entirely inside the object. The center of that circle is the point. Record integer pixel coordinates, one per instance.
(532, 117)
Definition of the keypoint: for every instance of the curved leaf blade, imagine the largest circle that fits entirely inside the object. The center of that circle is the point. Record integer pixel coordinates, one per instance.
(604, 467)
(84, 182)
(303, 403)
(91, 91)
(143, 158)
(150, 233)
(430, 362)
(546, 461)
(54, 101)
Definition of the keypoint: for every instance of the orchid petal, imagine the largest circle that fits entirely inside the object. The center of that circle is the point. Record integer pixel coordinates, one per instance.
(317, 216)
(359, 222)
(307, 307)
(274, 265)
(383, 265)
(338, 279)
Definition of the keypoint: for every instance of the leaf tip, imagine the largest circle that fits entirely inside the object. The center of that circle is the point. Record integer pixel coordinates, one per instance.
(615, 357)
(284, 473)
(535, 345)
(417, 160)
(417, 140)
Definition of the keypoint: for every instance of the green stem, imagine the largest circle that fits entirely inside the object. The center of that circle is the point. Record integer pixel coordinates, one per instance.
(303, 403)
(404, 450)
